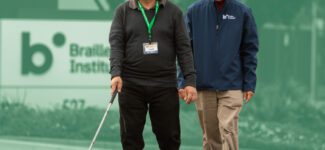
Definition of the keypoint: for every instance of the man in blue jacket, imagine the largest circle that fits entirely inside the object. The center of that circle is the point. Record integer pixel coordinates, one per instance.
(225, 44)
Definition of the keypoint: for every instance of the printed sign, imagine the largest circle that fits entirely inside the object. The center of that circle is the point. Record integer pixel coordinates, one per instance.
(49, 60)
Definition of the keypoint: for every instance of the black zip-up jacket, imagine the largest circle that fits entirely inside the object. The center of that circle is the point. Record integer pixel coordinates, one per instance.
(129, 32)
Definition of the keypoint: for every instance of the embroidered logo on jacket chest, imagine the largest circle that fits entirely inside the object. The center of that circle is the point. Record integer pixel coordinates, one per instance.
(228, 17)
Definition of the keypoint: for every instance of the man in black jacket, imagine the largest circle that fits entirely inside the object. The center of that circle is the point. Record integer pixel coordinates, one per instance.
(146, 37)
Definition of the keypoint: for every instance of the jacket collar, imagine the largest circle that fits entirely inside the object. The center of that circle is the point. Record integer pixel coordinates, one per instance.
(226, 1)
(134, 5)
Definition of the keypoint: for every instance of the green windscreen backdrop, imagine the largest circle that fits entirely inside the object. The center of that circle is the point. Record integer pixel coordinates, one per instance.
(54, 77)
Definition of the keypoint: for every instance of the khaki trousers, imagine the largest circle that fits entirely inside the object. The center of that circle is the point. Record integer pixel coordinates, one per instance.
(218, 114)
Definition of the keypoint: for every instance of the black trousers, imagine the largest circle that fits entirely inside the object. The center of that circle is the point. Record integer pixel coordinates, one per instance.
(163, 106)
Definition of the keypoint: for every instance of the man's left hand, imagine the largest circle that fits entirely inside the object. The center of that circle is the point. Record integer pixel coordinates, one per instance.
(189, 94)
(248, 95)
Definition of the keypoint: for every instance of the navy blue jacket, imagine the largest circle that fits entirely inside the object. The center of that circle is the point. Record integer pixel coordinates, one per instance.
(225, 45)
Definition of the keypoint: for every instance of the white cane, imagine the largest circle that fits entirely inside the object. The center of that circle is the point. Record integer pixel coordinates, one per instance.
(103, 120)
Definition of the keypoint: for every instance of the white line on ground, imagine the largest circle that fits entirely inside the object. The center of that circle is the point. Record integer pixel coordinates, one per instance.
(43, 145)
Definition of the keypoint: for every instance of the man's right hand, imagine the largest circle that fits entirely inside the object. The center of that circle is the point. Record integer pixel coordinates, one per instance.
(116, 84)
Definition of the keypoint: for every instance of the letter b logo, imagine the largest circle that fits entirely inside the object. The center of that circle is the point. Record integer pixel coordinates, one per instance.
(28, 51)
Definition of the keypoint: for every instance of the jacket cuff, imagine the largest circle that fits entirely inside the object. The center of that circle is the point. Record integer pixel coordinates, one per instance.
(248, 87)
(190, 84)
(115, 73)
(190, 81)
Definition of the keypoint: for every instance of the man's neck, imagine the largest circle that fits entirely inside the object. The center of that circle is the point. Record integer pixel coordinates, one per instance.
(148, 4)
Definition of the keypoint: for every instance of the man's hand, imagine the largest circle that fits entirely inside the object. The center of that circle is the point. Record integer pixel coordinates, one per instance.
(248, 95)
(188, 94)
(116, 84)
(181, 93)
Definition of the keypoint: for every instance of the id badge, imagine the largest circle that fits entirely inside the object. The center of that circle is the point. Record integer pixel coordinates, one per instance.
(150, 48)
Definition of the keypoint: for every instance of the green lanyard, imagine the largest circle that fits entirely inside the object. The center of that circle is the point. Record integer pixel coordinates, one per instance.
(149, 25)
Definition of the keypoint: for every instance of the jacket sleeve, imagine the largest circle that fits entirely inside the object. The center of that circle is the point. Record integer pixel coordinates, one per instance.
(117, 43)
(249, 48)
(188, 23)
(184, 54)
